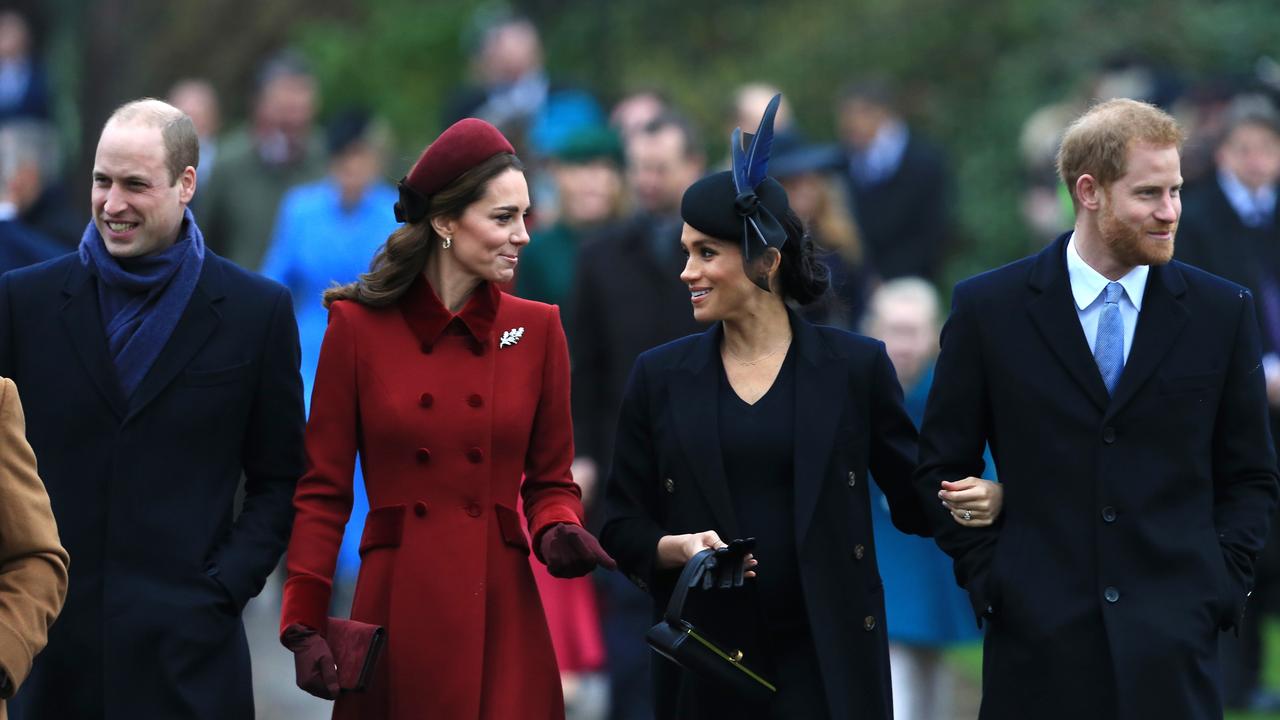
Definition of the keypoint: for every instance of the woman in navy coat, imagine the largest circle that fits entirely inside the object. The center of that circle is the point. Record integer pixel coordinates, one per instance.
(765, 426)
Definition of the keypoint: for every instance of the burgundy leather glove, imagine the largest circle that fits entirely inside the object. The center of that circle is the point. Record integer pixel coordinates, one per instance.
(571, 551)
(312, 661)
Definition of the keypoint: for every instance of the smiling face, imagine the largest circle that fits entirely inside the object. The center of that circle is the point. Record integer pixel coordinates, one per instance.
(137, 207)
(489, 235)
(718, 286)
(1139, 212)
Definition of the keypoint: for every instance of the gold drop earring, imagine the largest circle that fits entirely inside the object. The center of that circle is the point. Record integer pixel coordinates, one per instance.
(448, 242)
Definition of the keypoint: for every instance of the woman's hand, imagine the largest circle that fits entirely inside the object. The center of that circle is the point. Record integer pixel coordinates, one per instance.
(677, 550)
(312, 661)
(973, 502)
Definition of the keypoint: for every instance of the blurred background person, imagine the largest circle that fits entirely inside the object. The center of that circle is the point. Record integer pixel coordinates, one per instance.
(24, 89)
(511, 89)
(280, 148)
(898, 184)
(34, 190)
(627, 298)
(636, 109)
(748, 104)
(325, 234)
(22, 143)
(587, 172)
(810, 174)
(199, 100)
(1229, 227)
(588, 176)
(926, 611)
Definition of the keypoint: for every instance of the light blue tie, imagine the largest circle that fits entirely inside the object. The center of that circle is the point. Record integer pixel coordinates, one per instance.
(1108, 349)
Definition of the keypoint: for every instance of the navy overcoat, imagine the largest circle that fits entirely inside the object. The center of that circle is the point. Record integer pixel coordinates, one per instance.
(668, 477)
(144, 488)
(1131, 522)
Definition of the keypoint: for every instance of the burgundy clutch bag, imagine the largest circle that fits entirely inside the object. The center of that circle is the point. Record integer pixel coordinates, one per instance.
(356, 647)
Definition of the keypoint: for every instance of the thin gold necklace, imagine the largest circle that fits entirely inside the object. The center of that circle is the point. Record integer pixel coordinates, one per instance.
(758, 360)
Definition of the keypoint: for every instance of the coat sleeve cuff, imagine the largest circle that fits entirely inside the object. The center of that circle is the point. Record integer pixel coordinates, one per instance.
(544, 521)
(306, 602)
(15, 660)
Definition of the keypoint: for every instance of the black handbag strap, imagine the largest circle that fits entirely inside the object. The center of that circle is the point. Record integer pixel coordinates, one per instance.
(688, 578)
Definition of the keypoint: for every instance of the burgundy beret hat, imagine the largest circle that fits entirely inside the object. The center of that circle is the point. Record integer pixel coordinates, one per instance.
(464, 145)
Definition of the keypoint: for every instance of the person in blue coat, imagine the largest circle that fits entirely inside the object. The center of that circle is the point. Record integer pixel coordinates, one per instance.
(325, 234)
(155, 375)
(924, 608)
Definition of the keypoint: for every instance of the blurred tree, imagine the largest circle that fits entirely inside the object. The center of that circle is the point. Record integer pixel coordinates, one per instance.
(970, 73)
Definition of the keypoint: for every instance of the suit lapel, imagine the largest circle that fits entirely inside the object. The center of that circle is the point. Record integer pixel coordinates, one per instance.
(1053, 310)
(694, 409)
(821, 383)
(82, 320)
(194, 327)
(1159, 323)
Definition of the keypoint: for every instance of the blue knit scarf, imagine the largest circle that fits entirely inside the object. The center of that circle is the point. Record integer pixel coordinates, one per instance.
(141, 299)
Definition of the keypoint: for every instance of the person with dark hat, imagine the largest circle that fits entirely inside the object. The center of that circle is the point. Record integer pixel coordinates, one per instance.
(765, 427)
(456, 397)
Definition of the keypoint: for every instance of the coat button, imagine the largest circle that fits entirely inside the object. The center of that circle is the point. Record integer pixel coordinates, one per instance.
(426, 348)
(473, 510)
(670, 485)
(853, 478)
(420, 509)
(1108, 514)
(424, 455)
(475, 455)
(1111, 594)
(1108, 435)
(475, 400)
(869, 623)
(425, 400)
(858, 552)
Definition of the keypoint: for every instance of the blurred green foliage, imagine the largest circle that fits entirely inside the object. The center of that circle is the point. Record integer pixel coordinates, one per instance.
(970, 72)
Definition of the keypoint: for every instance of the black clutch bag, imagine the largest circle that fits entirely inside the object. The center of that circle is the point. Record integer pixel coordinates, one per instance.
(680, 642)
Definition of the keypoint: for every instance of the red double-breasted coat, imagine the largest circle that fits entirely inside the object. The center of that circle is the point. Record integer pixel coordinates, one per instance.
(448, 413)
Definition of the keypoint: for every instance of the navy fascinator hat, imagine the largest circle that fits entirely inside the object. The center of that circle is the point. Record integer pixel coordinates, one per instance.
(743, 203)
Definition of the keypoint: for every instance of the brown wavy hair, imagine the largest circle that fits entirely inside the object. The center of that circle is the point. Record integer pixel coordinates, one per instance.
(404, 255)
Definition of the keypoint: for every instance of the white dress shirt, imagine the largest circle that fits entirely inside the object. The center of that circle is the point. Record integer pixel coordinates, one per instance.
(1087, 285)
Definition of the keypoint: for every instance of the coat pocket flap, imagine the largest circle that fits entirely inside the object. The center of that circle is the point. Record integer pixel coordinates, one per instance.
(1190, 383)
(215, 376)
(382, 528)
(510, 527)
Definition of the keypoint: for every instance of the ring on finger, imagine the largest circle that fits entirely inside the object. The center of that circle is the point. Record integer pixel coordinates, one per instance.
(966, 515)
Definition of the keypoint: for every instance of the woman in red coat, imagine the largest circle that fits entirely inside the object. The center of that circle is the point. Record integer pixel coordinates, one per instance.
(451, 392)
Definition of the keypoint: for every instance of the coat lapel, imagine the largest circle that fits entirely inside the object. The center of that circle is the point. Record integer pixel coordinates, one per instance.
(695, 415)
(82, 320)
(821, 382)
(1053, 310)
(194, 327)
(1159, 323)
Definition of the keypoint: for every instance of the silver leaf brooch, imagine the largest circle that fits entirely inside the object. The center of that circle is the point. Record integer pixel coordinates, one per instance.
(510, 337)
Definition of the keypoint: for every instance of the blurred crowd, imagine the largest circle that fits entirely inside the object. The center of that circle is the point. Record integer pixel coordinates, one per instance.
(307, 202)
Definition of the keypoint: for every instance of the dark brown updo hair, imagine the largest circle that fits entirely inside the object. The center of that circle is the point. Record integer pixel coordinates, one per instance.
(802, 277)
(404, 255)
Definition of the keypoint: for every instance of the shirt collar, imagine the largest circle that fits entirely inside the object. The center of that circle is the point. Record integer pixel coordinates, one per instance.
(428, 318)
(1247, 203)
(884, 154)
(1087, 284)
